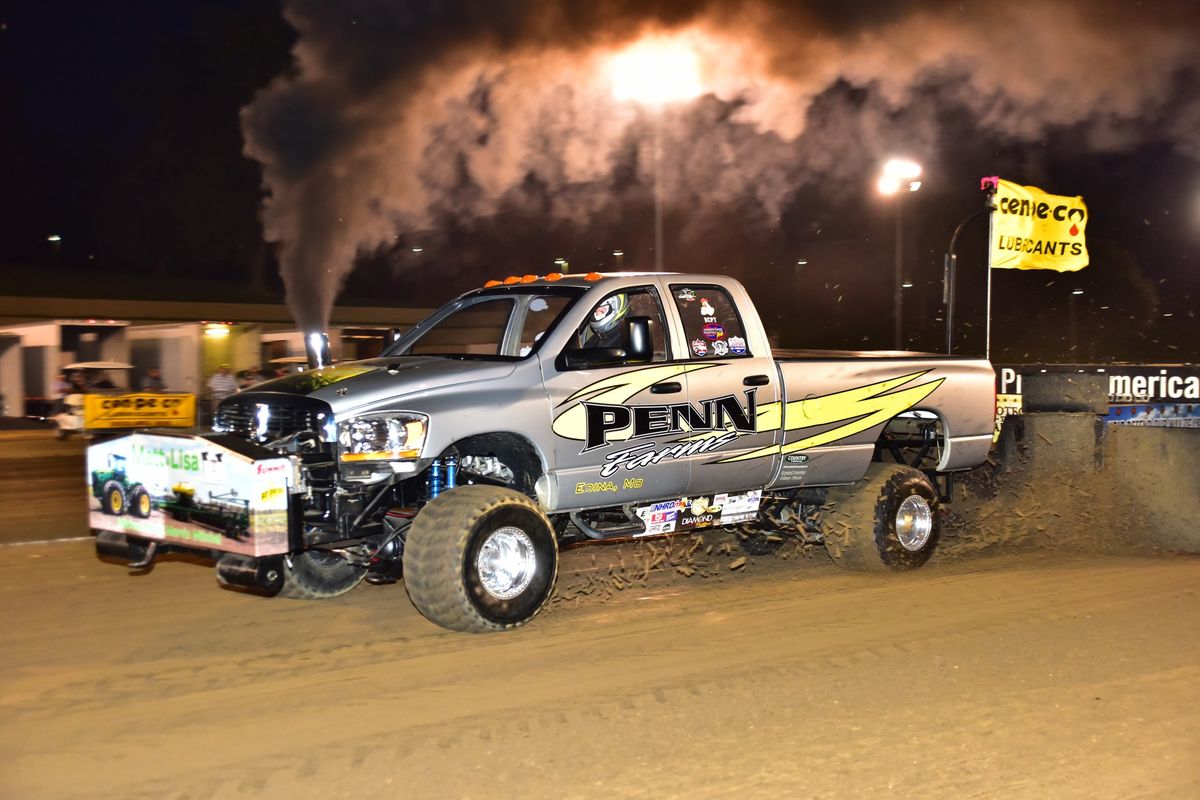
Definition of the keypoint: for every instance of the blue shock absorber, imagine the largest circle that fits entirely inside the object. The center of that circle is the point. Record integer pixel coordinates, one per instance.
(451, 463)
(435, 478)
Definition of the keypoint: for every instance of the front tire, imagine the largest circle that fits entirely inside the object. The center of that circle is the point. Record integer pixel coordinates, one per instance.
(886, 521)
(480, 558)
(318, 575)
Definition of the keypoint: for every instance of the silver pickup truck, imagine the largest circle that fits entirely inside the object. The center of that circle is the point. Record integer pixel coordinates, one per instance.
(541, 411)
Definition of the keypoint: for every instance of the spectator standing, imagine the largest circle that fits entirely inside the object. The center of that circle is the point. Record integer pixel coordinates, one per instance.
(221, 385)
(152, 381)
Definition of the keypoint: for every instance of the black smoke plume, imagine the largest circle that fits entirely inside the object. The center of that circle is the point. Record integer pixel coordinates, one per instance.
(399, 113)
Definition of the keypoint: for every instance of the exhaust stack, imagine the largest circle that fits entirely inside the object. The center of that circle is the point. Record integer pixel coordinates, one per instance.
(316, 346)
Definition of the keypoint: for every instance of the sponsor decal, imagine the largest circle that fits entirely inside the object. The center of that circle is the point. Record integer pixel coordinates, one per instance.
(190, 490)
(572, 419)
(686, 295)
(706, 307)
(591, 488)
(1032, 229)
(713, 331)
(600, 415)
(737, 345)
(700, 347)
(720, 348)
(643, 420)
(700, 512)
(107, 411)
(645, 455)
(313, 379)
(849, 412)
(1137, 395)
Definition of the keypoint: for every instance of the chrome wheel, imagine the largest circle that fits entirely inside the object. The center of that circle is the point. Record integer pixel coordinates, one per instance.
(914, 522)
(506, 563)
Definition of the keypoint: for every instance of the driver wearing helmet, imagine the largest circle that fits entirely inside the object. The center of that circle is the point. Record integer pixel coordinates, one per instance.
(604, 328)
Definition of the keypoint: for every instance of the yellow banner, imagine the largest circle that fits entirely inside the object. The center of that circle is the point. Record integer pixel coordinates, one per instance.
(141, 410)
(1035, 230)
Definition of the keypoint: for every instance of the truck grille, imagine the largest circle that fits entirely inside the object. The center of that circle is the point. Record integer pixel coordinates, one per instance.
(265, 419)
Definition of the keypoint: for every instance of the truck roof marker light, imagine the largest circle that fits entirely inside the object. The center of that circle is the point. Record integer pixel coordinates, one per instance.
(490, 284)
(528, 278)
(511, 279)
(554, 276)
(593, 276)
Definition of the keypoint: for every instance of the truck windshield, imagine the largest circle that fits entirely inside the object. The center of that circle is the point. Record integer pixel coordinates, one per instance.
(507, 323)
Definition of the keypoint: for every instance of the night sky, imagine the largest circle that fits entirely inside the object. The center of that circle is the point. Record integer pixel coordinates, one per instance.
(412, 150)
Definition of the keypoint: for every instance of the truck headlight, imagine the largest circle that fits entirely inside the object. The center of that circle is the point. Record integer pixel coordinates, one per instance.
(382, 437)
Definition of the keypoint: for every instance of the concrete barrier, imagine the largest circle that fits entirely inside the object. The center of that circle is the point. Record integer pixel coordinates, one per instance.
(1066, 391)
(43, 487)
(1156, 473)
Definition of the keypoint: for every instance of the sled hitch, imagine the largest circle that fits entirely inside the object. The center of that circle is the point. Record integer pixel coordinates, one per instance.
(139, 554)
(258, 575)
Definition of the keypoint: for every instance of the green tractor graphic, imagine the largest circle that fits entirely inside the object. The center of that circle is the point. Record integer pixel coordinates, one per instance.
(116, 493)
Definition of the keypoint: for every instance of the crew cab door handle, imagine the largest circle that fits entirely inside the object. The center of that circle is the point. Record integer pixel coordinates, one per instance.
(670, 387)
(755, 380)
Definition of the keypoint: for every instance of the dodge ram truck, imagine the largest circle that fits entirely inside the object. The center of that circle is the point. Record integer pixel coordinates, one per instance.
(542, 411)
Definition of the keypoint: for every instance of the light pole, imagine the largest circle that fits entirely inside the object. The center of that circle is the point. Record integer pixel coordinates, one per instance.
(620, 256)
(899, 178)
(55, 247)
(1071, 328)
(652, 73)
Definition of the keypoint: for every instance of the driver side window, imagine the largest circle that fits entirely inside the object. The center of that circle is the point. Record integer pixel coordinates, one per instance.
(607, 323)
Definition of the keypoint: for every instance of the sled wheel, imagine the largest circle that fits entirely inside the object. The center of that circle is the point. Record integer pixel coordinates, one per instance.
(112, 498)
(318, 575)
(139, 502)
(480, 558)
(888, 520)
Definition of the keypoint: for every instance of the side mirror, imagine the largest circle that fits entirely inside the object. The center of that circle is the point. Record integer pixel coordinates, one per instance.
(641, 346)
(581, 357)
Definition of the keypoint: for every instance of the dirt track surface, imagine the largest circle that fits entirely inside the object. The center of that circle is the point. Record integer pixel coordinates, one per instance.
(1016, 675)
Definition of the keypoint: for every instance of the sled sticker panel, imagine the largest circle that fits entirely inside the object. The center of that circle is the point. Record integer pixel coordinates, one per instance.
(689, 513)
(191, 491)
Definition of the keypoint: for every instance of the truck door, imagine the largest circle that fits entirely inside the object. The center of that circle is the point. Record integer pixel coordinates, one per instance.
(735, 393)
(605, 415)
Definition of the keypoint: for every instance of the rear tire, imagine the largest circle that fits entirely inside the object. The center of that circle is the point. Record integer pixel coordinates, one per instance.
(140, 504)
(886, 521)
(317, 575)
(480, 558)
(112, 498)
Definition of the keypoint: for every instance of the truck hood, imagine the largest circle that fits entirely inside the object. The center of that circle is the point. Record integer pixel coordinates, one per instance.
(359, 385)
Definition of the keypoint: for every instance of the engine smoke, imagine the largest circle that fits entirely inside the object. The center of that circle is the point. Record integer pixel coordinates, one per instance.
(399, 114)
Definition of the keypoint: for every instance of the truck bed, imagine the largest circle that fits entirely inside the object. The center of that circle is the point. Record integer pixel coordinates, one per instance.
(826, 355)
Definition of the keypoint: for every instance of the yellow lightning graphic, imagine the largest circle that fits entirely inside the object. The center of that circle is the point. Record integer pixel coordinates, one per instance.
(858, 409)
(572, 423)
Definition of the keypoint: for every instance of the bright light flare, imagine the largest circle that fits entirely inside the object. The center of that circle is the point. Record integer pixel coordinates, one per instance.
(656, 71)
(899, 175)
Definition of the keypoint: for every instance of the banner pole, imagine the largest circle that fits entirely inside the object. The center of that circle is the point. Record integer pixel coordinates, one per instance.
(990, 186)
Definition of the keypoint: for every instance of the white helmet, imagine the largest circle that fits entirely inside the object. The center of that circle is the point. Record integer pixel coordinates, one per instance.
(607, 315)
